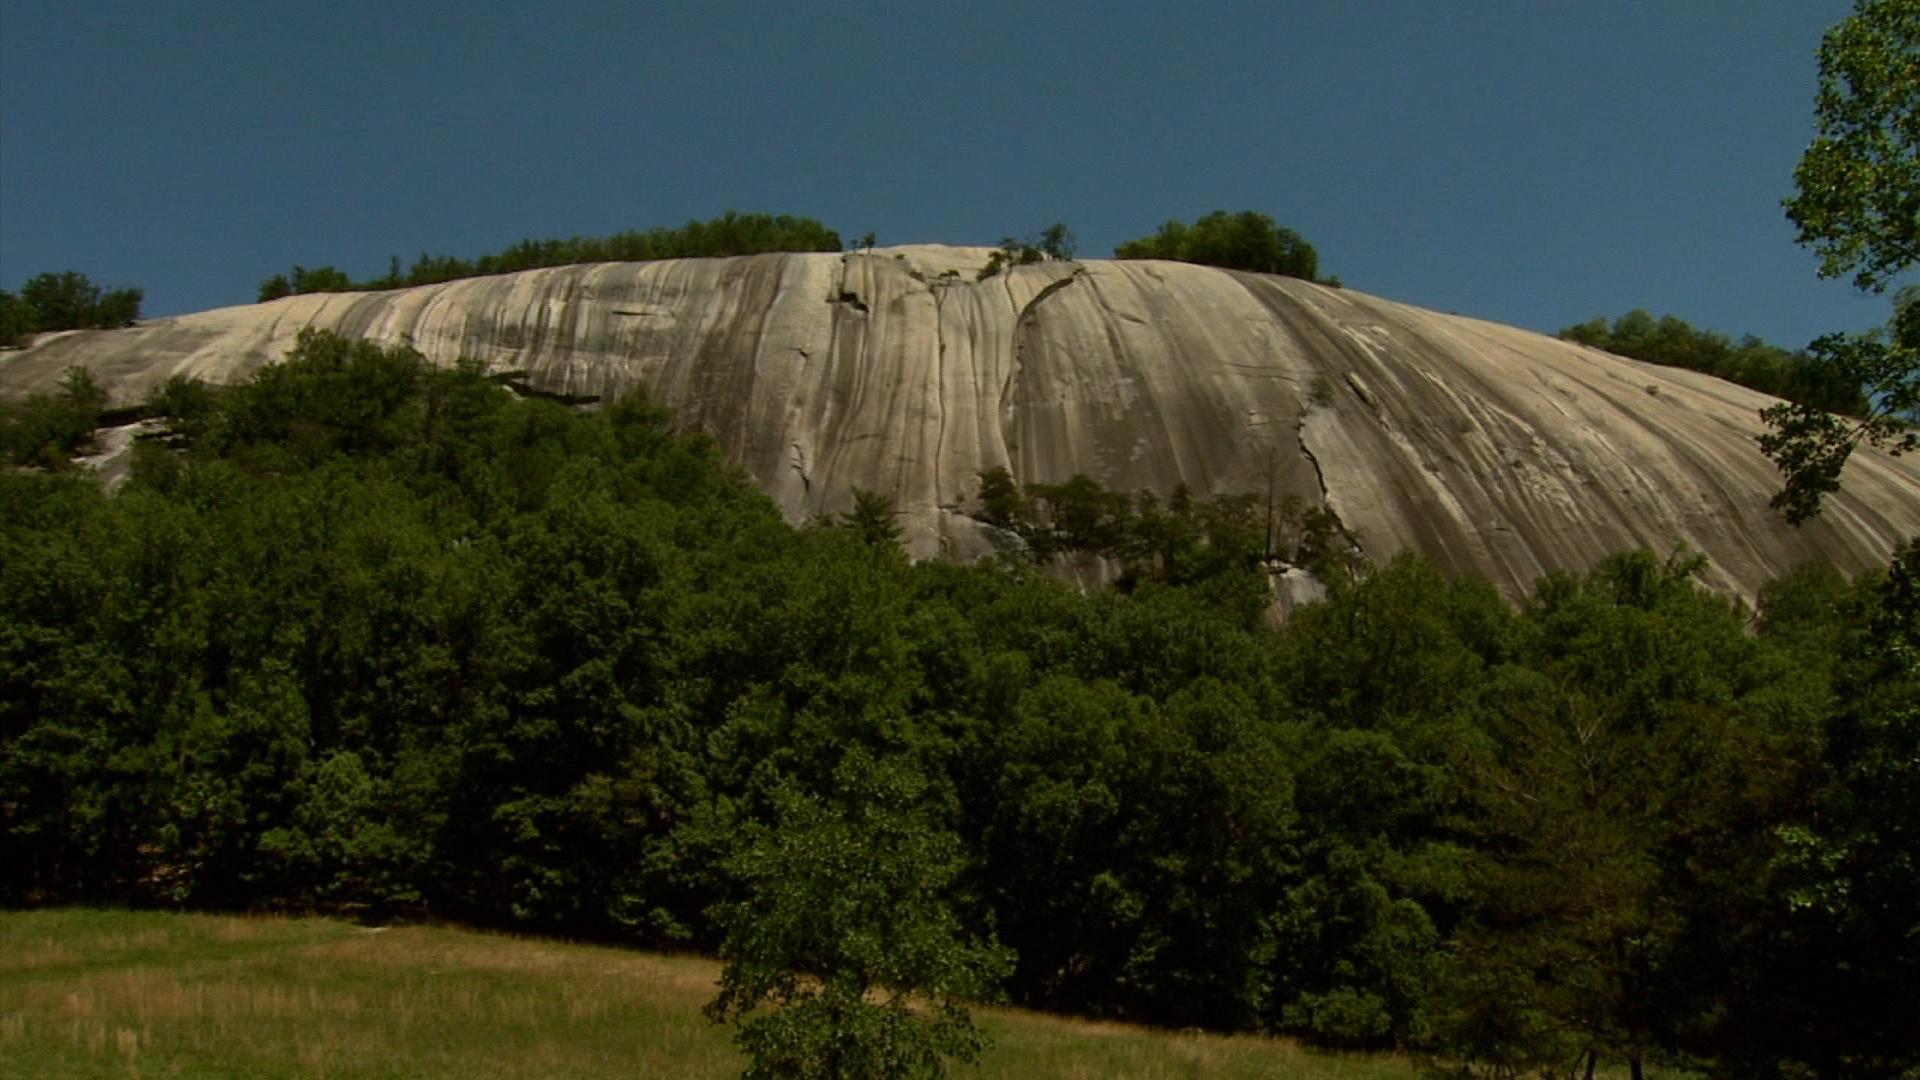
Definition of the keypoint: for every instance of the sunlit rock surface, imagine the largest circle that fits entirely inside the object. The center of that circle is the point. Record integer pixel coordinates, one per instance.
(1485, 447)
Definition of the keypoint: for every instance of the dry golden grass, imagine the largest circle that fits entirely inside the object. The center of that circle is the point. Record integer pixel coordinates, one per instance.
(92, 993)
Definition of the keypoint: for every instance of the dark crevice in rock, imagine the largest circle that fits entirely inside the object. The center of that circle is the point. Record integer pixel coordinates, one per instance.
(843, 295)
(1051, 288)
(516, 381)
(1019, 361)
(799, 466)
(1319, 478)
(121, 417)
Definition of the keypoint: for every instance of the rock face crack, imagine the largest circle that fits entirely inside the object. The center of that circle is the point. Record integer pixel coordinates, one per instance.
(1033, 305)
(1051, 288)
(1319, 478)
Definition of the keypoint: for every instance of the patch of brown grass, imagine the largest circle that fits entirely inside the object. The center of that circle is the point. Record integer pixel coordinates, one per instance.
(106, 993)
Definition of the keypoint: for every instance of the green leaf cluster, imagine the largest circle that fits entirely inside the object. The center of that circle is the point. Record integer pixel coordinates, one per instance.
(1857, 187)
(1858, 206)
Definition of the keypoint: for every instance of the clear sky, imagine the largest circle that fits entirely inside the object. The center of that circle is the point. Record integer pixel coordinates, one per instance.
(1534, 163)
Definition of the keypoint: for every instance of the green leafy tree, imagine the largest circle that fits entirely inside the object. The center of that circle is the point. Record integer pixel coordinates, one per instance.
(843, 955)
(331, 394)
(1057, 242)
(1826, 963)
(1606, 774)
(1858, 207)
(16, 319)
(62, 301)
(117, 307)
(48, 430)
(70, 300)
(872, 519)
(274, 288)
(1248, 240)
(1811, 445)
(1013, 251)
(1001, 503)
(1858, 201)
(320, 279)
(1673, 342)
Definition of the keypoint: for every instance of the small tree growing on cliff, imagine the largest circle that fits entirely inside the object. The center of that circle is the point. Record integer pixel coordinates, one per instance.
(1057, 242)
(872, 518)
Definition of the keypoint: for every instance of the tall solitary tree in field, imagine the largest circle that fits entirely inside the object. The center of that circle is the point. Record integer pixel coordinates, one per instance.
(843, 957)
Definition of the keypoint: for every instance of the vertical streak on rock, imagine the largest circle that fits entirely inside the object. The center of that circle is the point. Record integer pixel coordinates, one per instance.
(832, 365)
(939, 395)
(1013, 361)
(537, 347)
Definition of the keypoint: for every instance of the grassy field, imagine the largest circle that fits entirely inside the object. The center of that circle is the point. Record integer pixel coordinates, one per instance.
(109, 993)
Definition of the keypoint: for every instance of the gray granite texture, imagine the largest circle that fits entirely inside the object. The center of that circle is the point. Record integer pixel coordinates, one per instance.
(1487, 448)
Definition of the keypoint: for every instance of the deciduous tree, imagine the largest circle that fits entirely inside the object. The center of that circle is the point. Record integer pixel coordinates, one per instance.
(1858, 207)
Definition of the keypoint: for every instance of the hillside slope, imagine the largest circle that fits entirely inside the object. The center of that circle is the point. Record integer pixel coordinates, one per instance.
(1488, 448)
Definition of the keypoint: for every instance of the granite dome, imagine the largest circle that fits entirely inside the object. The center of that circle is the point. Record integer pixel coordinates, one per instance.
(1485, 447)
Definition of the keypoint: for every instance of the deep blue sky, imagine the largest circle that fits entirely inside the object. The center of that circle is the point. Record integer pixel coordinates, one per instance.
(1532, 163)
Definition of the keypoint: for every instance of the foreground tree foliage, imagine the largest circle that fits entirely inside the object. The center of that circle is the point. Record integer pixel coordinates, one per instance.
(367, 636)
(845, 919)
(1857, 204)
(1855, 185)
(1811, 445)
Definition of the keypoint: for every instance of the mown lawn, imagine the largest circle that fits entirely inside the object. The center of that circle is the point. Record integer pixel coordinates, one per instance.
(112, 993)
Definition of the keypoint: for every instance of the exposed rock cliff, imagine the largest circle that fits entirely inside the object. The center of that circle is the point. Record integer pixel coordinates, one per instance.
(1488, 448)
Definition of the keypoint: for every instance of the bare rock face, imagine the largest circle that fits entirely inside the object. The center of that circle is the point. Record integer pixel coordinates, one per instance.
(1487, 448)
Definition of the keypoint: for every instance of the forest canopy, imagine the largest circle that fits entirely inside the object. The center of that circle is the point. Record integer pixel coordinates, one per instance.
(368, 636)
(731, 233)
(1673, 342)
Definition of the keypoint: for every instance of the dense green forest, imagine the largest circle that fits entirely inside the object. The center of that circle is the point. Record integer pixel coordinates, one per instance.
(729, 234)
(1673, 342)
(363, 635)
